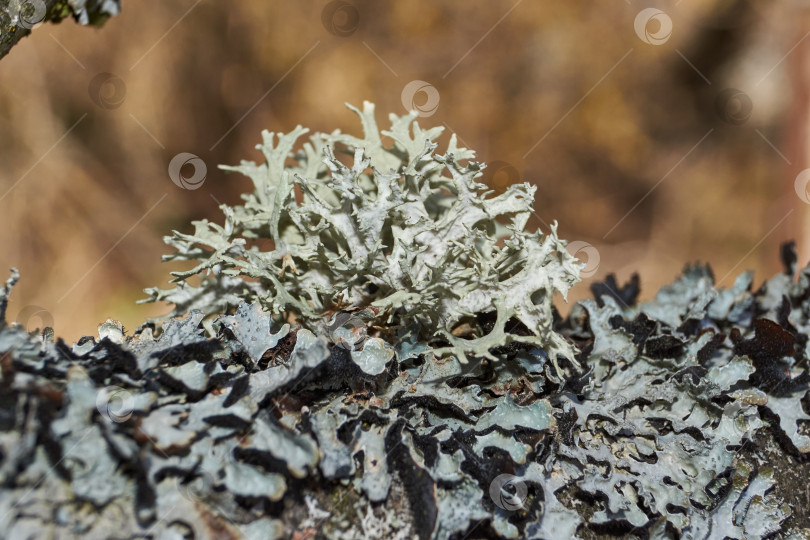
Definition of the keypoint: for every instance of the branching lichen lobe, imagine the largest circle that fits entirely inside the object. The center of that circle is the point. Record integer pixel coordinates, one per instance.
(403, 232)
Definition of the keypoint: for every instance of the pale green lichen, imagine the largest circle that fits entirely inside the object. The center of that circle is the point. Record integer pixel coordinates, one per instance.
(405, 233)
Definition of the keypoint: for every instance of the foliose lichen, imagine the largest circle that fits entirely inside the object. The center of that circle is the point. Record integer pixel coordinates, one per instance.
(263, 431)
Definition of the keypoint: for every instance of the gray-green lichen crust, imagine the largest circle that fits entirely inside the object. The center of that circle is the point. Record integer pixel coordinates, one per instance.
(268, 431)
(401, 231)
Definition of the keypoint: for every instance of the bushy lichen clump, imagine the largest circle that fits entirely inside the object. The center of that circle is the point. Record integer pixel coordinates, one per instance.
(402, 232)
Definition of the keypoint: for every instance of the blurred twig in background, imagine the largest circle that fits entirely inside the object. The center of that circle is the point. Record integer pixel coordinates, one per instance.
(18, 17)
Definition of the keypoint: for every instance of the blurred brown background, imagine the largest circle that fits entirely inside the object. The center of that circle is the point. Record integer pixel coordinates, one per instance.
(656, 146)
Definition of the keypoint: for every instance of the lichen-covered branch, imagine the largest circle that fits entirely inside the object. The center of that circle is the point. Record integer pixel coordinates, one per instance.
(689, 423)
(323, 387)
